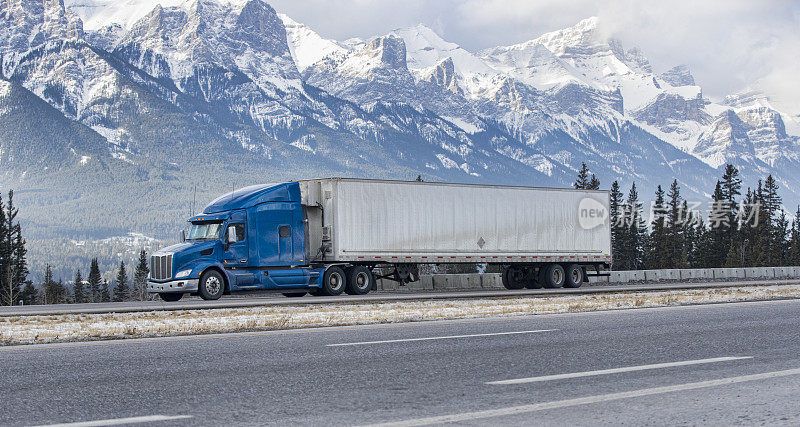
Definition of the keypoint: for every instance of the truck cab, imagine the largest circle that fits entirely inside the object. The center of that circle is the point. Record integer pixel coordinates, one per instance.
(253, 238)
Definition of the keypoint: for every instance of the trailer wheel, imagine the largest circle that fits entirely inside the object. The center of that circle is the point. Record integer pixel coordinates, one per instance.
(359, 280)
(532, 281)
(552, 276)
(294, 294)
(574, 276)
(212, 285)
(513, 277)
(334, 281)
(171, 297)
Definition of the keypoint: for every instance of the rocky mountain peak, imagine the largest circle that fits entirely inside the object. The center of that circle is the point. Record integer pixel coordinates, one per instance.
(679, 76)
(444, 75)
(584, 37)
(389, 50)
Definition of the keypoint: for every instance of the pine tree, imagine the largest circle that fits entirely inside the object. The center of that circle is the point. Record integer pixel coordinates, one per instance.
(617, 219)
(689, 237)
(105, 295)
(719, 225)
(140, 277)
(30, 295)
(419, 178)
(52, 292)
(731, 187)
(632, 238)
(770, 203)
(6, 288)
(19, 263)
(700, 257)
(675, 243)
(583, 178)
(794, 240)
(594, 183)
(13, 265)
(659, 245)
(121, 290)
(78, 293)
(782, 244)
(95, 280)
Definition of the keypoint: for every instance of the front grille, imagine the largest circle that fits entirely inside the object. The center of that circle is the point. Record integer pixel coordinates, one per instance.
(161, 267)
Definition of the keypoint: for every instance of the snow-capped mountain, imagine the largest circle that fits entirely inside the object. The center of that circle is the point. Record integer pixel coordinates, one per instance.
(143, 99)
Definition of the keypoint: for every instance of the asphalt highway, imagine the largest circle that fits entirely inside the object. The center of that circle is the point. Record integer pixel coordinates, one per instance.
(261, 298)
(721, 364)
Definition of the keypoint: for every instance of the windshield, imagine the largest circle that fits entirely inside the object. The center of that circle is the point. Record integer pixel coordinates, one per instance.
(204, 231)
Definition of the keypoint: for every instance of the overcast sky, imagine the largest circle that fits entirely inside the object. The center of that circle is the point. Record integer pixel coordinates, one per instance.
(729, 44)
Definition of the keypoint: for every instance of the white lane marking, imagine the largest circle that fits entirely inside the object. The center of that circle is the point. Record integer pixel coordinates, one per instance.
(523, 409)
(119, 421)
(615, 370)
(441, 338)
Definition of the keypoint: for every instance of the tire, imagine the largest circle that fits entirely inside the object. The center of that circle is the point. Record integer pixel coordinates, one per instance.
(552, 276)
(513, 278)
(359, 280)
(334, 281)
(212, 285)
(532, 281)
(171, 297)
(573, 277)
(294, 294)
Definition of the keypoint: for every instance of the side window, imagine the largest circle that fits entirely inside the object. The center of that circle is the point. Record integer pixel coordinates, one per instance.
(284, 231)
(236, 233)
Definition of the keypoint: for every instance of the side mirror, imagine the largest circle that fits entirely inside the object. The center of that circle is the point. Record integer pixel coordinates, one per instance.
(182, 236)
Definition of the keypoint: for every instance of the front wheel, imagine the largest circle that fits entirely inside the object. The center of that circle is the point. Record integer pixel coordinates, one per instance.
(212, 285)
(171, 297)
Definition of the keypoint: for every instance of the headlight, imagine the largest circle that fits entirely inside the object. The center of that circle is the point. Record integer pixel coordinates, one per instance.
(184, 273)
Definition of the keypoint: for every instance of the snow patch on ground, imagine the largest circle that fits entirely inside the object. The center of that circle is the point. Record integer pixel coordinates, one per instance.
(82, 327)
(463, 124)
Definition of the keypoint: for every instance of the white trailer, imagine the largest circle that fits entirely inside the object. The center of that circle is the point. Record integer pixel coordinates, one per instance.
(540, 236)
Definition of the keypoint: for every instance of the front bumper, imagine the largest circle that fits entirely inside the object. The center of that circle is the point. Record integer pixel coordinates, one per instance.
(178, 285)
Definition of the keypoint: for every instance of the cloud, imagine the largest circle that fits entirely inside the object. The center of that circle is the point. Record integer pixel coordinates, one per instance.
(730, 45)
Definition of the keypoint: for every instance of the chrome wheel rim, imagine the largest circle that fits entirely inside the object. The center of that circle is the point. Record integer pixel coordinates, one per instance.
(557, 276)
(213, 285)
(576, 275)
(335, 281)
(362, 281)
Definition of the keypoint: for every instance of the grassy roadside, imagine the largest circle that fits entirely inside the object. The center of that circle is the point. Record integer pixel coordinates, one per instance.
(86, 327)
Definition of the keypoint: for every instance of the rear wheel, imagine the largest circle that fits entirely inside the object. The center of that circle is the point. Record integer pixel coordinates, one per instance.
(552, 276)
(294, 294)
(212, 285)
(574, 276)
(333, 281)
(359, 280)
(514, 277)
(532, 281)
(171, 297)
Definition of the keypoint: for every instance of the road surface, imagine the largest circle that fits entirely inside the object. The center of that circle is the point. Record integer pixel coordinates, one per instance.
(722, 364)
(261, 298)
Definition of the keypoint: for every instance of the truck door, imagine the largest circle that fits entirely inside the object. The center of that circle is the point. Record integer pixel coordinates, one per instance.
(236, 248)
(279, 243)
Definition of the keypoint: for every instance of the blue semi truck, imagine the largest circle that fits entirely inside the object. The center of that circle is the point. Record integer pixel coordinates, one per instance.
(335, 235)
